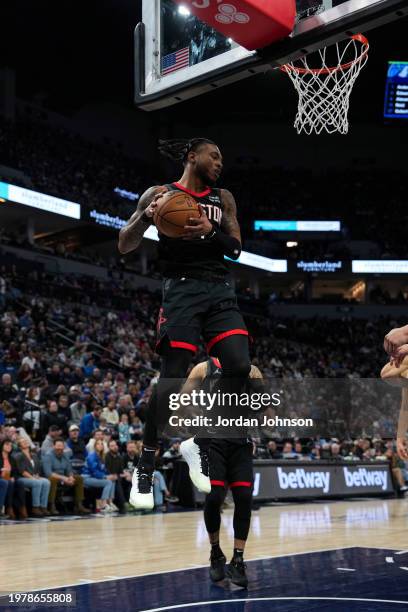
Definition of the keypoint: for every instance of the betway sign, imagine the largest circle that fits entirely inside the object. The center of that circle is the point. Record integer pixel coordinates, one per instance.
(291, 480)
(297, 479)
(304, 479)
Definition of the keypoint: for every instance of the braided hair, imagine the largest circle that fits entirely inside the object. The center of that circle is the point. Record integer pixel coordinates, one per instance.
(179, 148)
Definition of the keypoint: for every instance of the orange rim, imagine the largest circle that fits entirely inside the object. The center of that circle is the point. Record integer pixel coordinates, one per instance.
(358, 37)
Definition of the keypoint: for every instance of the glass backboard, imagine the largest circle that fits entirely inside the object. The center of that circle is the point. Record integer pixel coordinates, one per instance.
(178, 57)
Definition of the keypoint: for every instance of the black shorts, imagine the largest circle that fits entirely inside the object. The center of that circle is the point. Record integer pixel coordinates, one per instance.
(231, 463)
(193, 307)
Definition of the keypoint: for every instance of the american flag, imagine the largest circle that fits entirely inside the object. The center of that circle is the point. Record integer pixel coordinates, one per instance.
(175, 61)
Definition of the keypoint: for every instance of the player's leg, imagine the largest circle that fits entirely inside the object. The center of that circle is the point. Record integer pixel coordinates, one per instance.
(233, 353)
(240, 475)
(212, 510)
(175, 362)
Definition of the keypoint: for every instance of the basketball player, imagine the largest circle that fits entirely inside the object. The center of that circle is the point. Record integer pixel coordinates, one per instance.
(197, 295)
(230, 465)
(398, 376)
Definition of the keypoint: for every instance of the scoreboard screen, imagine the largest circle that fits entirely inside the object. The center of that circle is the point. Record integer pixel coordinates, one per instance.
(396, 91)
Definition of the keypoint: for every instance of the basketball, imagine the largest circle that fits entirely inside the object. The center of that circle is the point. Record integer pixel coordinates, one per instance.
(173, 214)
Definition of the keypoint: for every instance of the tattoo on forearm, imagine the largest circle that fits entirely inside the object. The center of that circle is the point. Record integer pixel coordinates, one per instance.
(230, 223)
(130, 236)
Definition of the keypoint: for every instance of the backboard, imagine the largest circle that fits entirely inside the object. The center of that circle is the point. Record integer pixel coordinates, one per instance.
(178, 57)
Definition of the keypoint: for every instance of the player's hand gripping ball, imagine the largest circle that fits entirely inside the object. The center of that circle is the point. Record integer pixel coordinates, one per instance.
(173, 212)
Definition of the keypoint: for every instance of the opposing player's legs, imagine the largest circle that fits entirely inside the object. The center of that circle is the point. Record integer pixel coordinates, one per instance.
(175, 362)
(240, 476)
(242, 494)
(212, 507)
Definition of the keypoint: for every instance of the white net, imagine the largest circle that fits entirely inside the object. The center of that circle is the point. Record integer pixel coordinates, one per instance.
(324, 93)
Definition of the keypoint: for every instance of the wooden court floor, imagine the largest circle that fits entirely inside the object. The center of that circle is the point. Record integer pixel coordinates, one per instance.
(50, 554)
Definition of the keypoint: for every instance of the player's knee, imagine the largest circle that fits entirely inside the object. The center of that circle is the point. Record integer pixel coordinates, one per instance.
(238, 366)
(242, 498)
(215, 498)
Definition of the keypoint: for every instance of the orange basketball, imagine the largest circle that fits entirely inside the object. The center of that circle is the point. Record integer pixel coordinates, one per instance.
(176, 207)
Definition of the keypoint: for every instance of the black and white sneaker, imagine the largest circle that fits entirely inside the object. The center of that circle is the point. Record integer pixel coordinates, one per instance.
(217, 567)
(197, 460)
(141, 494)
(235, 571)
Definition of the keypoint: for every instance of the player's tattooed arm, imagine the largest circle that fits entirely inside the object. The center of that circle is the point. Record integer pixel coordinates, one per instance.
(229, 222)
(130, 236)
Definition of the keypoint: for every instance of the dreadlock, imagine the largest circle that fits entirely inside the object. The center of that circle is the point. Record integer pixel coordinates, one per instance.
(179, 148)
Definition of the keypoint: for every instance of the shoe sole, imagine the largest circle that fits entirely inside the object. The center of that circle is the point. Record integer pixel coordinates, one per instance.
(141, 504)
(185, 451)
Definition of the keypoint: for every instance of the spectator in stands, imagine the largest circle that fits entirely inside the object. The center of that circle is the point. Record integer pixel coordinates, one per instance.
(397, 467)
(288, 452)
(58, 469)
(335, 450)
(89, 423)
(299, 450)
(78, 450)
(98, 434)
(53, 417)
(114, 466)
(28, 468)
(8, 391)
(124, 430)
(315, 452)
(136, 428)
(54, 432)
(78, 410)
(32, 411)
(24, 375)
(63, 408)
(130, 461)
(110, 413)
(12, 494)
(96, 476)
(160, 491)
(273, 450)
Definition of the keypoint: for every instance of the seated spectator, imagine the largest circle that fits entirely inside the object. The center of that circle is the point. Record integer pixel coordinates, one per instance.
(136, 428)
(114, 466)
(28, 468)
(54, 432)
(315, 452)
(110, 413)
(288, 452)
(96, 476)
(54, 417)
(130, 461)
(273, 450)
(58, 469)
(11, 490)
(335, 450)
(160, 491)
(397, 466)
(98, 434)
(78, 410)
(8, 391)
(123, 429)
(89, 423)
(78, 450)
(63, 407)
(32, 411)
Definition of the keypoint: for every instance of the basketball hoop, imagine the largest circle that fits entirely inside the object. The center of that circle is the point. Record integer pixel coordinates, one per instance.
(324, 93)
